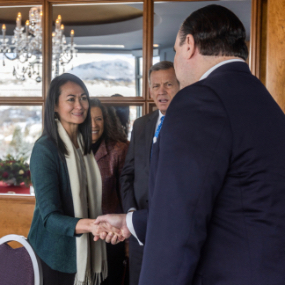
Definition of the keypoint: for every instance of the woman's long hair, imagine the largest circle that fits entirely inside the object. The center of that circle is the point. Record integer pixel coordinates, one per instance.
(50, 125)
(113, 130)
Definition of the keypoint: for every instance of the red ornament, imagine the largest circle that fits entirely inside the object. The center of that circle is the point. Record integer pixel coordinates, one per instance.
(5, 174)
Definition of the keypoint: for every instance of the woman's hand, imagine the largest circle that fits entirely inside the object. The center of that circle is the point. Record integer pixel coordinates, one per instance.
(111, 224)
(107, 232)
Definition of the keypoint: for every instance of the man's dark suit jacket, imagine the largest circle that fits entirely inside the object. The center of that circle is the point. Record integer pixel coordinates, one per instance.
(134, 181)
(217, 186)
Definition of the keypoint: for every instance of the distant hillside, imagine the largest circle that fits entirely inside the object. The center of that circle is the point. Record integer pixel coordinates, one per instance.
(118, 70)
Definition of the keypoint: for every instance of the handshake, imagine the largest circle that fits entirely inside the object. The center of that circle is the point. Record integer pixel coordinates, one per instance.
(112, 228)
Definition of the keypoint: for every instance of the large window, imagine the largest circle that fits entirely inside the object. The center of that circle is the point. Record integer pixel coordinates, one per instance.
(103, 43)
(110, 46)
(21, 80)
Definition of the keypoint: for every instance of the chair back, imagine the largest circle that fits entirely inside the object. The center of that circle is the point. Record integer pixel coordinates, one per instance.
(19, 265)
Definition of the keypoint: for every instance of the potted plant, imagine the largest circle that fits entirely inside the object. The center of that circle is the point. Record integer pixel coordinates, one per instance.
(15, 171)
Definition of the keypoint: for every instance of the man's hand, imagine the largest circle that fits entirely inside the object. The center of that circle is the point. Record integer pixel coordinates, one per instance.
(108, 223)
(104, 229)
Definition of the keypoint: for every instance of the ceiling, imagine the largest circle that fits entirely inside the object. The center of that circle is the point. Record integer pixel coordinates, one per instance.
(121, 24)
(77, 14)
(168, 16)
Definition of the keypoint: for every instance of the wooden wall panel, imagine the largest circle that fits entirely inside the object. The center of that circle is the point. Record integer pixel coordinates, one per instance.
(254, 48)
(263, 41)
(16, 213)
(275, 63)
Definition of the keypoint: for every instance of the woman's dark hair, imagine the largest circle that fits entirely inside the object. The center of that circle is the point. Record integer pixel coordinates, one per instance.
(216, 31)
(50, 125)
(113, 130)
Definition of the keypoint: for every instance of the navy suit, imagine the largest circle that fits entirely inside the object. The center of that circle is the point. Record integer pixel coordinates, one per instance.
(134, 181)
(217, 186)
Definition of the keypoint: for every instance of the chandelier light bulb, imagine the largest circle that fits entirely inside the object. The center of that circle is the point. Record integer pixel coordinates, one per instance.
(59, 19)
(18, 20)
(62, 27)
(41, 18)
(4, 32)
(27, 27)
(71, 35)
(57, 24)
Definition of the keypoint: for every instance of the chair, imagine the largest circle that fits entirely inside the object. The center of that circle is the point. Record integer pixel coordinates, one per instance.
(19, 265)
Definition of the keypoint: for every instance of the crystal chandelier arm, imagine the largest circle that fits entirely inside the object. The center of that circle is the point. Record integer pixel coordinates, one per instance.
(10, 58)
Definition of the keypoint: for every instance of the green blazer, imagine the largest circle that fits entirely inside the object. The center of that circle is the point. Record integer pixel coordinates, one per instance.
(52, 233)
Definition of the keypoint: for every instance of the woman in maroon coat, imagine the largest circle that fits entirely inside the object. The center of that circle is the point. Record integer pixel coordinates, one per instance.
(110, 145)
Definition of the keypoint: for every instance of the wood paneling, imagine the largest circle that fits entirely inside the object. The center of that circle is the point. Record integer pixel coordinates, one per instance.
(47, 46)
(263, 46)
(275, 63)
(257, 50)
(20, 2)
(16, 213)
(148, 44)
(254, 50)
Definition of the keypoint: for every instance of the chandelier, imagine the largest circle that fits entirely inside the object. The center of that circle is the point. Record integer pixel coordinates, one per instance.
(26, 46)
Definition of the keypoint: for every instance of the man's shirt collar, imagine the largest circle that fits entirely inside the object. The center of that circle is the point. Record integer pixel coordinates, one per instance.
(206, 74)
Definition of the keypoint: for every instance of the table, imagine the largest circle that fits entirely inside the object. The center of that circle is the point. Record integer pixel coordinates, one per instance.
(12, 189)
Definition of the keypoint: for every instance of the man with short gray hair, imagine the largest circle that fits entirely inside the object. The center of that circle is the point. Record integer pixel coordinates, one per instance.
(163, 86)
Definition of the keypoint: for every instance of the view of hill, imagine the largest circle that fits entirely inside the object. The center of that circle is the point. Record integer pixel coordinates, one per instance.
(115, 70)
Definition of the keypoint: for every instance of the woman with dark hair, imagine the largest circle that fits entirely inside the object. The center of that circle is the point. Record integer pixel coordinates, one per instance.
(109, 145)
(68, 189)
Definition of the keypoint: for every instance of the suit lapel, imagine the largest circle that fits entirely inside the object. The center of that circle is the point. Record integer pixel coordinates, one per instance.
(149, 133)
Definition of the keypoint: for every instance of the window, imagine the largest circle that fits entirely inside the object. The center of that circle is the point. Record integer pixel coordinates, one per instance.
(20, 127)
(112, 50)
(102, 45)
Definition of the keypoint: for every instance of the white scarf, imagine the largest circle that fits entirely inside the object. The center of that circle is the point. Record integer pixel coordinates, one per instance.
(91, 258)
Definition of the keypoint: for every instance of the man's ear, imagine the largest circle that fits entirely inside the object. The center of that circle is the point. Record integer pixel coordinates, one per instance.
(190, 46)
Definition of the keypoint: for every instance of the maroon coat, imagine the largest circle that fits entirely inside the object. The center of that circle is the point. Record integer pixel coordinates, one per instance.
(110, 159)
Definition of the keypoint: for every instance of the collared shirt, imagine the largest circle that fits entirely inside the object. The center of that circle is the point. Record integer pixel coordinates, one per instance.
(206, 74)
(158, 120)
